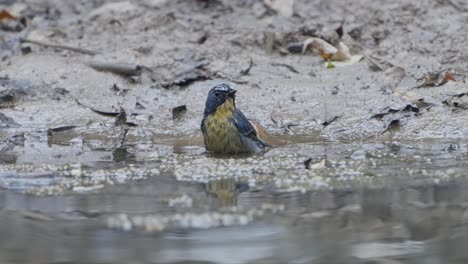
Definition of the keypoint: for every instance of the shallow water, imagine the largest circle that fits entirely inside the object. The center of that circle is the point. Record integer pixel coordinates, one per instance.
(65, 200)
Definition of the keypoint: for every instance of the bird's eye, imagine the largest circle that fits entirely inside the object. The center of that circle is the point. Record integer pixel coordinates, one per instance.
(216, 94)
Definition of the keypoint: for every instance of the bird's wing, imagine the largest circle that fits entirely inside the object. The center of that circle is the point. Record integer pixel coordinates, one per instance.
(202, 125)
(245, 128)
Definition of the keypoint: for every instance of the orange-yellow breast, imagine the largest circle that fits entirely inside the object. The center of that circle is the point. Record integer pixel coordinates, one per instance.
(221, 135)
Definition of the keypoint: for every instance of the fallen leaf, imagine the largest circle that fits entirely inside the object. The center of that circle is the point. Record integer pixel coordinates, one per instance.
(61, 135)
(342, 54)
(435, 79)
(421, 103)
(377, 64)
(318, 165)
(4, 15)
(449, 77)
(354, 59)
(50, 131)
(325, 49)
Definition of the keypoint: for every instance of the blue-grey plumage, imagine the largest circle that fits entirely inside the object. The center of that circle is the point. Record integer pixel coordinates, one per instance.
(225, 128)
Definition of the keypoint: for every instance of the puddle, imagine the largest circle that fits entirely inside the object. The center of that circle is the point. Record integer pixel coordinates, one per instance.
(366, 201)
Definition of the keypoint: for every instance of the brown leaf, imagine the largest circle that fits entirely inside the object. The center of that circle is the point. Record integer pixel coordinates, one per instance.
(449, 76)
(325, 49)
(4, 15)
(435, 79)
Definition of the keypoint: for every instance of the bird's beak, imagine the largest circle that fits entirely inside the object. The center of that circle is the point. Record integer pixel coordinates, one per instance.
(231, 93)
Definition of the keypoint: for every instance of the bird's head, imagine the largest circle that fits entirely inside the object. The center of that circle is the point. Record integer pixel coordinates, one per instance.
(219, 95)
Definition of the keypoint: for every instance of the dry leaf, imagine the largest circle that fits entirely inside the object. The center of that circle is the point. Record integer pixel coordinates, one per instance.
(325, 49)
(434, 79)
(449, 76)
(354, 59)
(4, 15)
(342, 54)
(319, 165)
(378, 64)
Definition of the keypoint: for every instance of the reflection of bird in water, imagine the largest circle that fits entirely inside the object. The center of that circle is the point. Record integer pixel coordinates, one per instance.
(226, 190)
(225, 128)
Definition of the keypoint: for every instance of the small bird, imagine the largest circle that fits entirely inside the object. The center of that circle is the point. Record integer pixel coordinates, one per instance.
(225, 128)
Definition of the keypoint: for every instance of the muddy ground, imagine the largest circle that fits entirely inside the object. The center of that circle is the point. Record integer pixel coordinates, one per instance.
(369, 158)
(171, 38)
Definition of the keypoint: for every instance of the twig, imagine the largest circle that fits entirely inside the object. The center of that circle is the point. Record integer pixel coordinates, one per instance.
(247, 70)
(328, 122)
(101, 112)
(200, 65)
(117, 68)
(287, 66)
(59, 46)
(226, 76)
